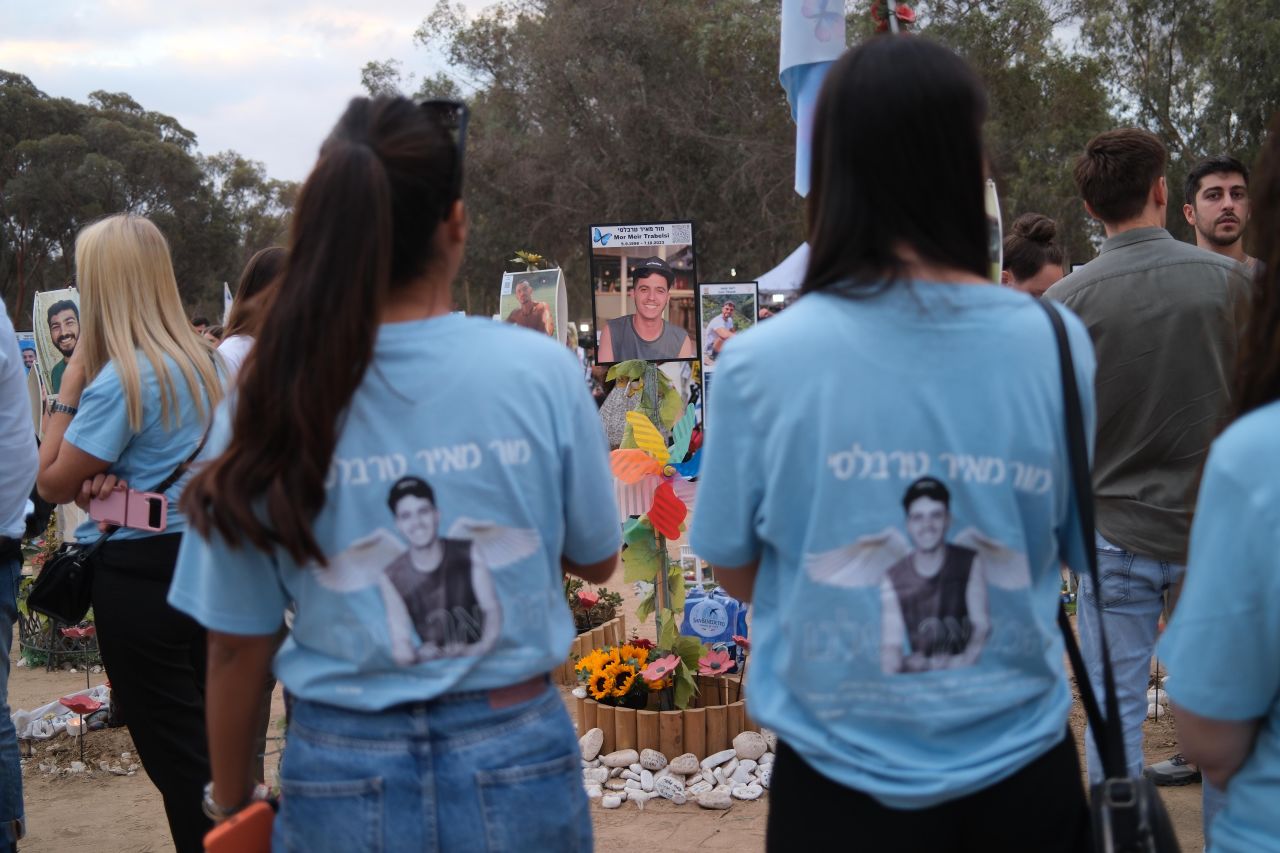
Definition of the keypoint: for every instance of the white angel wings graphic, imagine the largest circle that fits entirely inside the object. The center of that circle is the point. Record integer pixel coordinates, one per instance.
(864, 562)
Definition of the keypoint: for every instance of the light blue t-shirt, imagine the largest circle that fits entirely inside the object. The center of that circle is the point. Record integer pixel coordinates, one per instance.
(17, 438)
(470, 460)
(143, 459)
(1222, 646)
(915, 660)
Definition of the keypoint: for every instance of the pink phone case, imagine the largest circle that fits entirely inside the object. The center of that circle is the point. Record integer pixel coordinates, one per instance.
(112, 509)
(147, 511)
(126, 508)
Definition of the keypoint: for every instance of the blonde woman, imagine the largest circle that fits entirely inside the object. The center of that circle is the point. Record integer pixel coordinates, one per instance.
(133, 407)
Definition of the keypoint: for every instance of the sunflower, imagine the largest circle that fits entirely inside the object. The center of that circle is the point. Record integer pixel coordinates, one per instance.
(624, 679)
(589, 663)
(600, 685)
(634, 655)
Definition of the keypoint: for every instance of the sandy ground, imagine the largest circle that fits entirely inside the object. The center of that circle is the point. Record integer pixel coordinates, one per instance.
(124, 813)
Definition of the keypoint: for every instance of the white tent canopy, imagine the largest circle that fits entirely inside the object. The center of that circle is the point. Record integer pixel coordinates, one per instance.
(787, 275)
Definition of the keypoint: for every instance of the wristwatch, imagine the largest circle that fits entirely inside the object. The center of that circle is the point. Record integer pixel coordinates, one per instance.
(56, 407)
(217, 813)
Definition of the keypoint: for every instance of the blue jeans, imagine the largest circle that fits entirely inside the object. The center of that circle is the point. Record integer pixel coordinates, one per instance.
(10, 770)
(453, 774)
(1132, 599)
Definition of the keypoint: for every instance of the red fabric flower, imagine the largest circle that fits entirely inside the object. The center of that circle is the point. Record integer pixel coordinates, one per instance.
(660, 668)
(587, 598)
(641, 643)
(739, 640)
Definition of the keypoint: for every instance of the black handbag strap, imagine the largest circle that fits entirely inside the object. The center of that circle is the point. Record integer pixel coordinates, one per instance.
(1106, 731)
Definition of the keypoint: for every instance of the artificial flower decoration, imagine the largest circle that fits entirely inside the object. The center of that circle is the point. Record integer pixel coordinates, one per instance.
(587, 598)
(641, 643)
(714, 662)
(742, 642)
(660, 668)
(659, 471)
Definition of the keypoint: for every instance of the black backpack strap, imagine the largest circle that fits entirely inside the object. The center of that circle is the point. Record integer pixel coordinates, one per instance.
(1107, 731)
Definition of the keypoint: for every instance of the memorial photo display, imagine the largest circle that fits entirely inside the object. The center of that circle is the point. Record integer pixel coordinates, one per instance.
(643, 285)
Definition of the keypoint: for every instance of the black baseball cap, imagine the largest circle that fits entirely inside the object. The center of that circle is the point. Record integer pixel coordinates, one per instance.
(649, 266)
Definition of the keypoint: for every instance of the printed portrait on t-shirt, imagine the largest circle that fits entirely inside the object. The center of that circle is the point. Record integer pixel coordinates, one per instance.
(935, 613)
(438, 591)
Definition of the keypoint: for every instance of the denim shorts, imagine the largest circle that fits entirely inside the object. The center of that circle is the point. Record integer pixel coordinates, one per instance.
(451, 774)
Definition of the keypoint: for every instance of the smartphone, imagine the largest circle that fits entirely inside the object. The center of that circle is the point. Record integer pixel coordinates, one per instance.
(248, 831)
(127, 508)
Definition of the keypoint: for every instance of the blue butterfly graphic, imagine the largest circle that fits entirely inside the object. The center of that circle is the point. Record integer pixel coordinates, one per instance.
(601, 238)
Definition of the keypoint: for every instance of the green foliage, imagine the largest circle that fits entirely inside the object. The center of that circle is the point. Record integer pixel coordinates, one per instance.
(631, 370)
(64, 164)
(668, 633)
(675, 586)
(689, 649)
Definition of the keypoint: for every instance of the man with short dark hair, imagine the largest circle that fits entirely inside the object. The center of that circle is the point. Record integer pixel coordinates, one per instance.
(646, 334)
(1164, 317)
(64, 331)
(199, 323)
(530, 313)
(1217, 206)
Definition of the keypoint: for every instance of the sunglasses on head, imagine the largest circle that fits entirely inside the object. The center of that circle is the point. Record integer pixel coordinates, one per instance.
(452, 116)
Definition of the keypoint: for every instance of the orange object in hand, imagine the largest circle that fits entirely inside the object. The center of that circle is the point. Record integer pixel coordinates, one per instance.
(247, 831)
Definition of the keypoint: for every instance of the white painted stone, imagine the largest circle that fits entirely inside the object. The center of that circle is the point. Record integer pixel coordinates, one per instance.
(771, 738)
(611, 801)
(621, 758)
(699, 788)
(590, 744)
(651, 759)
(715, 800)
(731, 766)
(636, 767)
(749, 764)
(679, 799)
(685, 765)
(580, 692)
(710, 776)
(668, 787)
(1154, 696)
(741, 776)
(717, 759)
(633, 785)
(596, 775)
(630, 774)
(646, 780)
(750, 745)
(764, 774)
(615, 772)
(616, 784)
(1155, 712)
(747, 792)
(766, 759)
(594, 792)
(721, 777)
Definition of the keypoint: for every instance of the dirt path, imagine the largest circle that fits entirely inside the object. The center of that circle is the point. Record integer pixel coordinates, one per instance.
(124, 813)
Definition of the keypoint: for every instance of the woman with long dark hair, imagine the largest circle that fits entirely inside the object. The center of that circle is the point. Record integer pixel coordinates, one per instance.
(897, 518)
(1222, 645)
(252, 301)
(414, 483)
(135, 403)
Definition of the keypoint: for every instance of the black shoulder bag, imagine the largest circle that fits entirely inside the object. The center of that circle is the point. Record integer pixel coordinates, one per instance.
(1128, 814)
(63, 589)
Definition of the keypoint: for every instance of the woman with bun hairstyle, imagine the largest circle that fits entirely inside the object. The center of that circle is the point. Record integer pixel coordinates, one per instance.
(415, 483)
(135, 403)
(1033, 260)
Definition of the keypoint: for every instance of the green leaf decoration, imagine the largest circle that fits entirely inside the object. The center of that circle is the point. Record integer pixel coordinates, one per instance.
(669, 635)
(686, 687)
(641, 564)
(670, 408)
(646, 606)
(681, 433)
(632, 370)
(628, 439)
(675, 583)
(688, 649)
(638, 530)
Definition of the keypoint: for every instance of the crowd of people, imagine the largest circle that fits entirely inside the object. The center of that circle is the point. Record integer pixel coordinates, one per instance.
(349, 512)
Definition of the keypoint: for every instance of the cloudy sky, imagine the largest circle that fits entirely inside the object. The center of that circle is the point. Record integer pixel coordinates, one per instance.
(264, 77)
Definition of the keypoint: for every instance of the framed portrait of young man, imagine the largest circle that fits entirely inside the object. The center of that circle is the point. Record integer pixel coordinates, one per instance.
(534, 300)
(55, 321)
(643, 278)
(724, 311)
